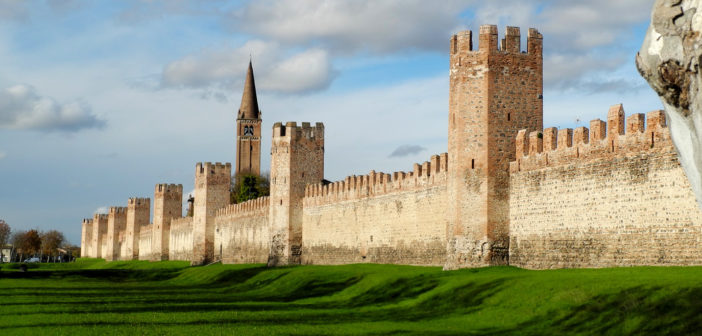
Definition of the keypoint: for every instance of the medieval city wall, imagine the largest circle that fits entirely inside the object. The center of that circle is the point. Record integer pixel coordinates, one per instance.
(181, 239)
(378, 218)
(242, 232)
(145, 237)
(602, 197)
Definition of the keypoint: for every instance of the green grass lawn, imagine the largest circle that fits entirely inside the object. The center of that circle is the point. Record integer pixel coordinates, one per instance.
(99, 298)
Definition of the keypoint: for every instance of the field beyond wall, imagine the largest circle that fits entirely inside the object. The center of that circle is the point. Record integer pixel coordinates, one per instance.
(92, 297)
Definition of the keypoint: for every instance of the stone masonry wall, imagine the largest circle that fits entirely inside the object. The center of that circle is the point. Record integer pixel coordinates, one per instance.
(145, 237)
(181, 240)
(378, 218)
(242, 232)
(602, 197)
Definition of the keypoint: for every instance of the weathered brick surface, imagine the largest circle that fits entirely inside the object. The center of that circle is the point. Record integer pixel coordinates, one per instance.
(493, 94)
(181, 239)
(212, 182)
(116, 224)
(619, 199)
(297, 159)
(138, 213)
(145, 237)
(380, 218)
(86, 238)
(242, 232)
(168, 204)
(99, 234)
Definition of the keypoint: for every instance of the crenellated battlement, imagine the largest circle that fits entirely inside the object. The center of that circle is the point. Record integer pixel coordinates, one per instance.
(117, 210)
(139, 202)
(165, 188)
(251, 207)
(292, 131)
(618, 136)
(425, 175)
(212, 169)
(87, 221)
(489, 42)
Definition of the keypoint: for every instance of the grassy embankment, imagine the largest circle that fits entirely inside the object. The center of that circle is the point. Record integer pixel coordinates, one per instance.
(98, 298)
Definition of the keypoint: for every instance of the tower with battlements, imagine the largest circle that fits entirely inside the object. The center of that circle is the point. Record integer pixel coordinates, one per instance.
(168, 204)
(297, 159)
(138, 213)
(495, 91)
(248, 130)
(212, 182)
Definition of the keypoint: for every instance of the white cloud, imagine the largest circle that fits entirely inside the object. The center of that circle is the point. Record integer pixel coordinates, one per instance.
(275, 70)
(21, 107)
(102, 210)
(353, 25)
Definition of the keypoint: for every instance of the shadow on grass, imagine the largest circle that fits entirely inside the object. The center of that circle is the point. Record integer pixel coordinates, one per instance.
(634, 311)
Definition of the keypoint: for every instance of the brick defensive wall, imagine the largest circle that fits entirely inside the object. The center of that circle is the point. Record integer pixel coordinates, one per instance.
(613, 195)
(181, 239)
(242, 232)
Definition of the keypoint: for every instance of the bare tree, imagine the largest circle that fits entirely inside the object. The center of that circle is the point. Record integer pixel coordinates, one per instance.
(4, 237)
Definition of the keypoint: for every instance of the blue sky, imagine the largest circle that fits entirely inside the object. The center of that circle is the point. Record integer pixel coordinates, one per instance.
(101, 100)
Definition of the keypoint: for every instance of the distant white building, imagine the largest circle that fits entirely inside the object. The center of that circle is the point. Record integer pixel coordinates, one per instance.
(6, 253)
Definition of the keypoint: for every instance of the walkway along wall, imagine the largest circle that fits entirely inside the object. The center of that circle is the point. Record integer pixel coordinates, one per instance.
(602, 197)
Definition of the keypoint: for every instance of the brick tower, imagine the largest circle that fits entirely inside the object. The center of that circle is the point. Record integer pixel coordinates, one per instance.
(212, 182)
(297, 159)
(248, 130)
(86, 250)
(99, 235)
(138, 212)
(495, 91)
(168, 204)
(116, 223)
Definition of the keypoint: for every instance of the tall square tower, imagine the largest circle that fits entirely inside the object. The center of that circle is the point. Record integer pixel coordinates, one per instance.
(494, 92)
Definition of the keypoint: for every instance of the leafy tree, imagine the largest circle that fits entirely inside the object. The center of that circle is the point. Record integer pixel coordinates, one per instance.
(31, 242)
(50, 241)
(4, 237)
(248, 186)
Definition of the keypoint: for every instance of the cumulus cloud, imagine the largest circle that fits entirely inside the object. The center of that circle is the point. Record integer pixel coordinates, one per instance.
(21, 107)
(274, 68)
(407, 150)
(352, 25)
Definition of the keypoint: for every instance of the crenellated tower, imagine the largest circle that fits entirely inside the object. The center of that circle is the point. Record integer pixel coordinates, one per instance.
(248, 130)
(212, 183)
(99, 235)
(138, 212)
(168, 204)
(495, 91)
(297, 159)
(116, 223)
(86, 239)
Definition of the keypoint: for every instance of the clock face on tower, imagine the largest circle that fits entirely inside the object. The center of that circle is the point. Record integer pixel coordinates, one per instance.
(248, 131)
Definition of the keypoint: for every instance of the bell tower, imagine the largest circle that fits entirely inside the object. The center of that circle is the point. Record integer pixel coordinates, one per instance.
(248, 130)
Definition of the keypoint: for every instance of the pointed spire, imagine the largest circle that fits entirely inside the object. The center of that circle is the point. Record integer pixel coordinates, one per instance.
(249, 102)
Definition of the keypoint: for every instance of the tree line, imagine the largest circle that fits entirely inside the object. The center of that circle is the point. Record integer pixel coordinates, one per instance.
(48, 246)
